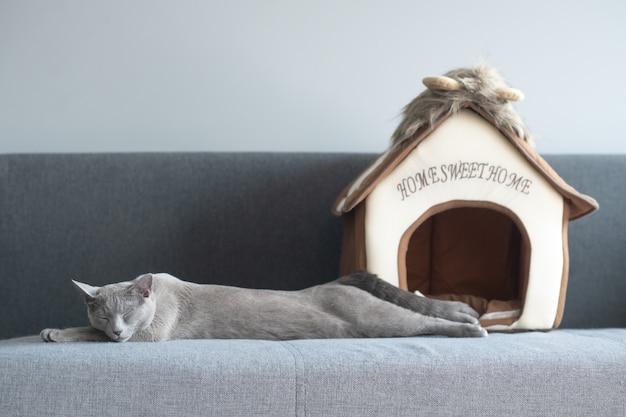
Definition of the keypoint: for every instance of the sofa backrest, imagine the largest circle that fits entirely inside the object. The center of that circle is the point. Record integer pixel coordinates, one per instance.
(597, 243)
(260, 220)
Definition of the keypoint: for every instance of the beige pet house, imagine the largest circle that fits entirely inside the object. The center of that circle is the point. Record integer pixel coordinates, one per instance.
(460, 207)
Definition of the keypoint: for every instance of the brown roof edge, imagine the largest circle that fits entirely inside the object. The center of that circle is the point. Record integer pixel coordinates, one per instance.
(391, 158)
(580, 204)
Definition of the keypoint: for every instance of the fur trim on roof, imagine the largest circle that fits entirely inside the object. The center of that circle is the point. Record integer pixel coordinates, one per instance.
(480, 84)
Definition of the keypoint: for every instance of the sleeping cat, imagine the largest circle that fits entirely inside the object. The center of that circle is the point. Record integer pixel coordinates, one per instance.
(155, 307)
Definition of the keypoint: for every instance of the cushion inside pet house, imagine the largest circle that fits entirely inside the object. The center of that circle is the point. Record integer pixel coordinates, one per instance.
(462, 208)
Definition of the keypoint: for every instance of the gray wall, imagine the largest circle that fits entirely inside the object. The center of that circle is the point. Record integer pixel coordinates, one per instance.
(287, 75)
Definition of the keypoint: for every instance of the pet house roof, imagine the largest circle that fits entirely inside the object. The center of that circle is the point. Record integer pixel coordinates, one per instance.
(482, 91)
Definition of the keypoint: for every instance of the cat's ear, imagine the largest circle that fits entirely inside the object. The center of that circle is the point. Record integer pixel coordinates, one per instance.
(143, 285)
(87, 290)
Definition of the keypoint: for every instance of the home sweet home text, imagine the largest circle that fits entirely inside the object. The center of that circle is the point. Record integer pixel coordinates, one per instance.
(463, 171)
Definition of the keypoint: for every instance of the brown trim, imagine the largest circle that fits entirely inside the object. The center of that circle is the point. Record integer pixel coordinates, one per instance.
(525, 244)
(581, 204)
(561, 307)
(353, 255)
(390, 162)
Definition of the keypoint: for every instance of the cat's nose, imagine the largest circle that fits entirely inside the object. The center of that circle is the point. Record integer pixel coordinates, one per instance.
(117, 332)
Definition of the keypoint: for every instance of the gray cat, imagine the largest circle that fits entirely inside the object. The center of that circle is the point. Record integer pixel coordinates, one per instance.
(156, 307)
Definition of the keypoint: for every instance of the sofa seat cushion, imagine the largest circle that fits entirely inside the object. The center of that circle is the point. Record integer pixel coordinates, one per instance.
(562, 372)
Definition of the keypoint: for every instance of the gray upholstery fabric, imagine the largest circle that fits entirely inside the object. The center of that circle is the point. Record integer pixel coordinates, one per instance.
(563, 373)
(263, 220)
(560, 373)
(249, 219)
(254, 220)
(597, 243)
(179, 378)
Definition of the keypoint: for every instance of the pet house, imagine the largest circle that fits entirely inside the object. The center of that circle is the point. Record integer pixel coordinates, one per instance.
(460, 206)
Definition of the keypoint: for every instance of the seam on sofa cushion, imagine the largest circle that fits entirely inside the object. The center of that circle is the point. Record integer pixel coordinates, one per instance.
(300, 378)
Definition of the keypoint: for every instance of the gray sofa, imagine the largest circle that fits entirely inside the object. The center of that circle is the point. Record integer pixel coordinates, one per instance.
(263, 220)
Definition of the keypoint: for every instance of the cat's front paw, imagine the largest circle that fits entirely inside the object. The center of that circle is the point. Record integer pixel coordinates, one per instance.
(50, 335)
(74, 334)
(61, 335)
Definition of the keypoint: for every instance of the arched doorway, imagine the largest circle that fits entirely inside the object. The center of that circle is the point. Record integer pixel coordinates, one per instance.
(476, 252)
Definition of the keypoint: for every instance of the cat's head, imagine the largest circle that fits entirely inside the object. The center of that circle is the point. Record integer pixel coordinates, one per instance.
(120, 310)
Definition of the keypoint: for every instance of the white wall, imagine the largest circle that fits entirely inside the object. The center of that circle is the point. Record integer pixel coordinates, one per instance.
(294, 75)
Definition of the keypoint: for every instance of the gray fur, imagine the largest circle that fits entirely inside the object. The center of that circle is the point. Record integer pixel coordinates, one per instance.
(478, 85)
(156, 307)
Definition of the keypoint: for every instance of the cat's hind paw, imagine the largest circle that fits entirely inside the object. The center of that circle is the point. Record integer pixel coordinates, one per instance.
(462, 313)
(474, 330)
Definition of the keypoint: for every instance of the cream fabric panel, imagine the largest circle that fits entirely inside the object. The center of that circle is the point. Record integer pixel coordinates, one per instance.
(466, 158)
